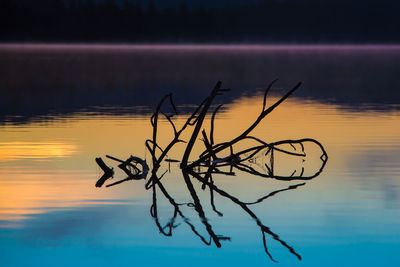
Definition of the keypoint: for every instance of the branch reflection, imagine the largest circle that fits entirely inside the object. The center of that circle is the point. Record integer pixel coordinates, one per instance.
(285, 160)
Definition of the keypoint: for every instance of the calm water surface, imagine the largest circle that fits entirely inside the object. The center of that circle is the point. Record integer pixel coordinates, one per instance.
(62, 107)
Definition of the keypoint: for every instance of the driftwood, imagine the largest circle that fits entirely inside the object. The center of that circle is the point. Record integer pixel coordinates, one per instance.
(208, 164)
(108, 172)
(129, 166)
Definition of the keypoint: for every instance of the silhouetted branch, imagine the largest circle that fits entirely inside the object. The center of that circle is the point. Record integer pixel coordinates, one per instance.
(108, 172)
(193, 119)
(170, 121)
(138, 175)
(212, 124)
(266, 94)
(199, 124)
(244, 160)
(248, 211)
(177, 211)
(272, 147)
(244, 134)
(208, 145)
(199, 209)
(212, 198)
(291, 187)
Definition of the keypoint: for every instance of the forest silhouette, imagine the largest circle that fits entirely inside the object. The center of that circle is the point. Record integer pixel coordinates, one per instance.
(268, 21)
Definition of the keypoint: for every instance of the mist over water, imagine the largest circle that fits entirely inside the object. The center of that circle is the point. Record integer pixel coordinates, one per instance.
(39, 80)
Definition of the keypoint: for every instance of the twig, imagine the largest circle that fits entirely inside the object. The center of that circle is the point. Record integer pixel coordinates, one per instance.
(248, 211)
(198, 125)
(244, 134)
(212, 124)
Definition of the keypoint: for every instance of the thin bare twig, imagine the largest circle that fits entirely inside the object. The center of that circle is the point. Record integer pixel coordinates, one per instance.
(245, 133)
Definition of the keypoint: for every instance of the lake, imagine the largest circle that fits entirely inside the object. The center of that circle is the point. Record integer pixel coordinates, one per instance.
(62, 106)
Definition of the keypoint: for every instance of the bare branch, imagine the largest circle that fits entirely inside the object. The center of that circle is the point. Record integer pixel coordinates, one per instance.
(199, 123)
(266, 93)
(212, 124)
(263, 114)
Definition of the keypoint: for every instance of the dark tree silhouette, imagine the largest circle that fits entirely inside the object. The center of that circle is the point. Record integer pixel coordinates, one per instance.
(266, 21)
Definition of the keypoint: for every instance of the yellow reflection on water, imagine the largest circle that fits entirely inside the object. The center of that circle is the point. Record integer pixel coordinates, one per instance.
(330, 124)
(25, 192)
(35, 150)
(29, 193)
(68, 147)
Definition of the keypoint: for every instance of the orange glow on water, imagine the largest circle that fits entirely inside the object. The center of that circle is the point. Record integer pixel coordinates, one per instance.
(52, 165)
(35, 150)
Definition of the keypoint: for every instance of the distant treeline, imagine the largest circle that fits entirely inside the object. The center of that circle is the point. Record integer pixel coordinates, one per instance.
(339, 21)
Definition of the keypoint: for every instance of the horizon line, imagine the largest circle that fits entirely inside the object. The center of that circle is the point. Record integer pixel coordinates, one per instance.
(196, 46)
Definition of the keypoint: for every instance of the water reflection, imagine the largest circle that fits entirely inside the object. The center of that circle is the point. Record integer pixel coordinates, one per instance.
(50, 209)
(35, 150)
(195, 203)
(41, 81)
(210, 163)
(361, 153)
